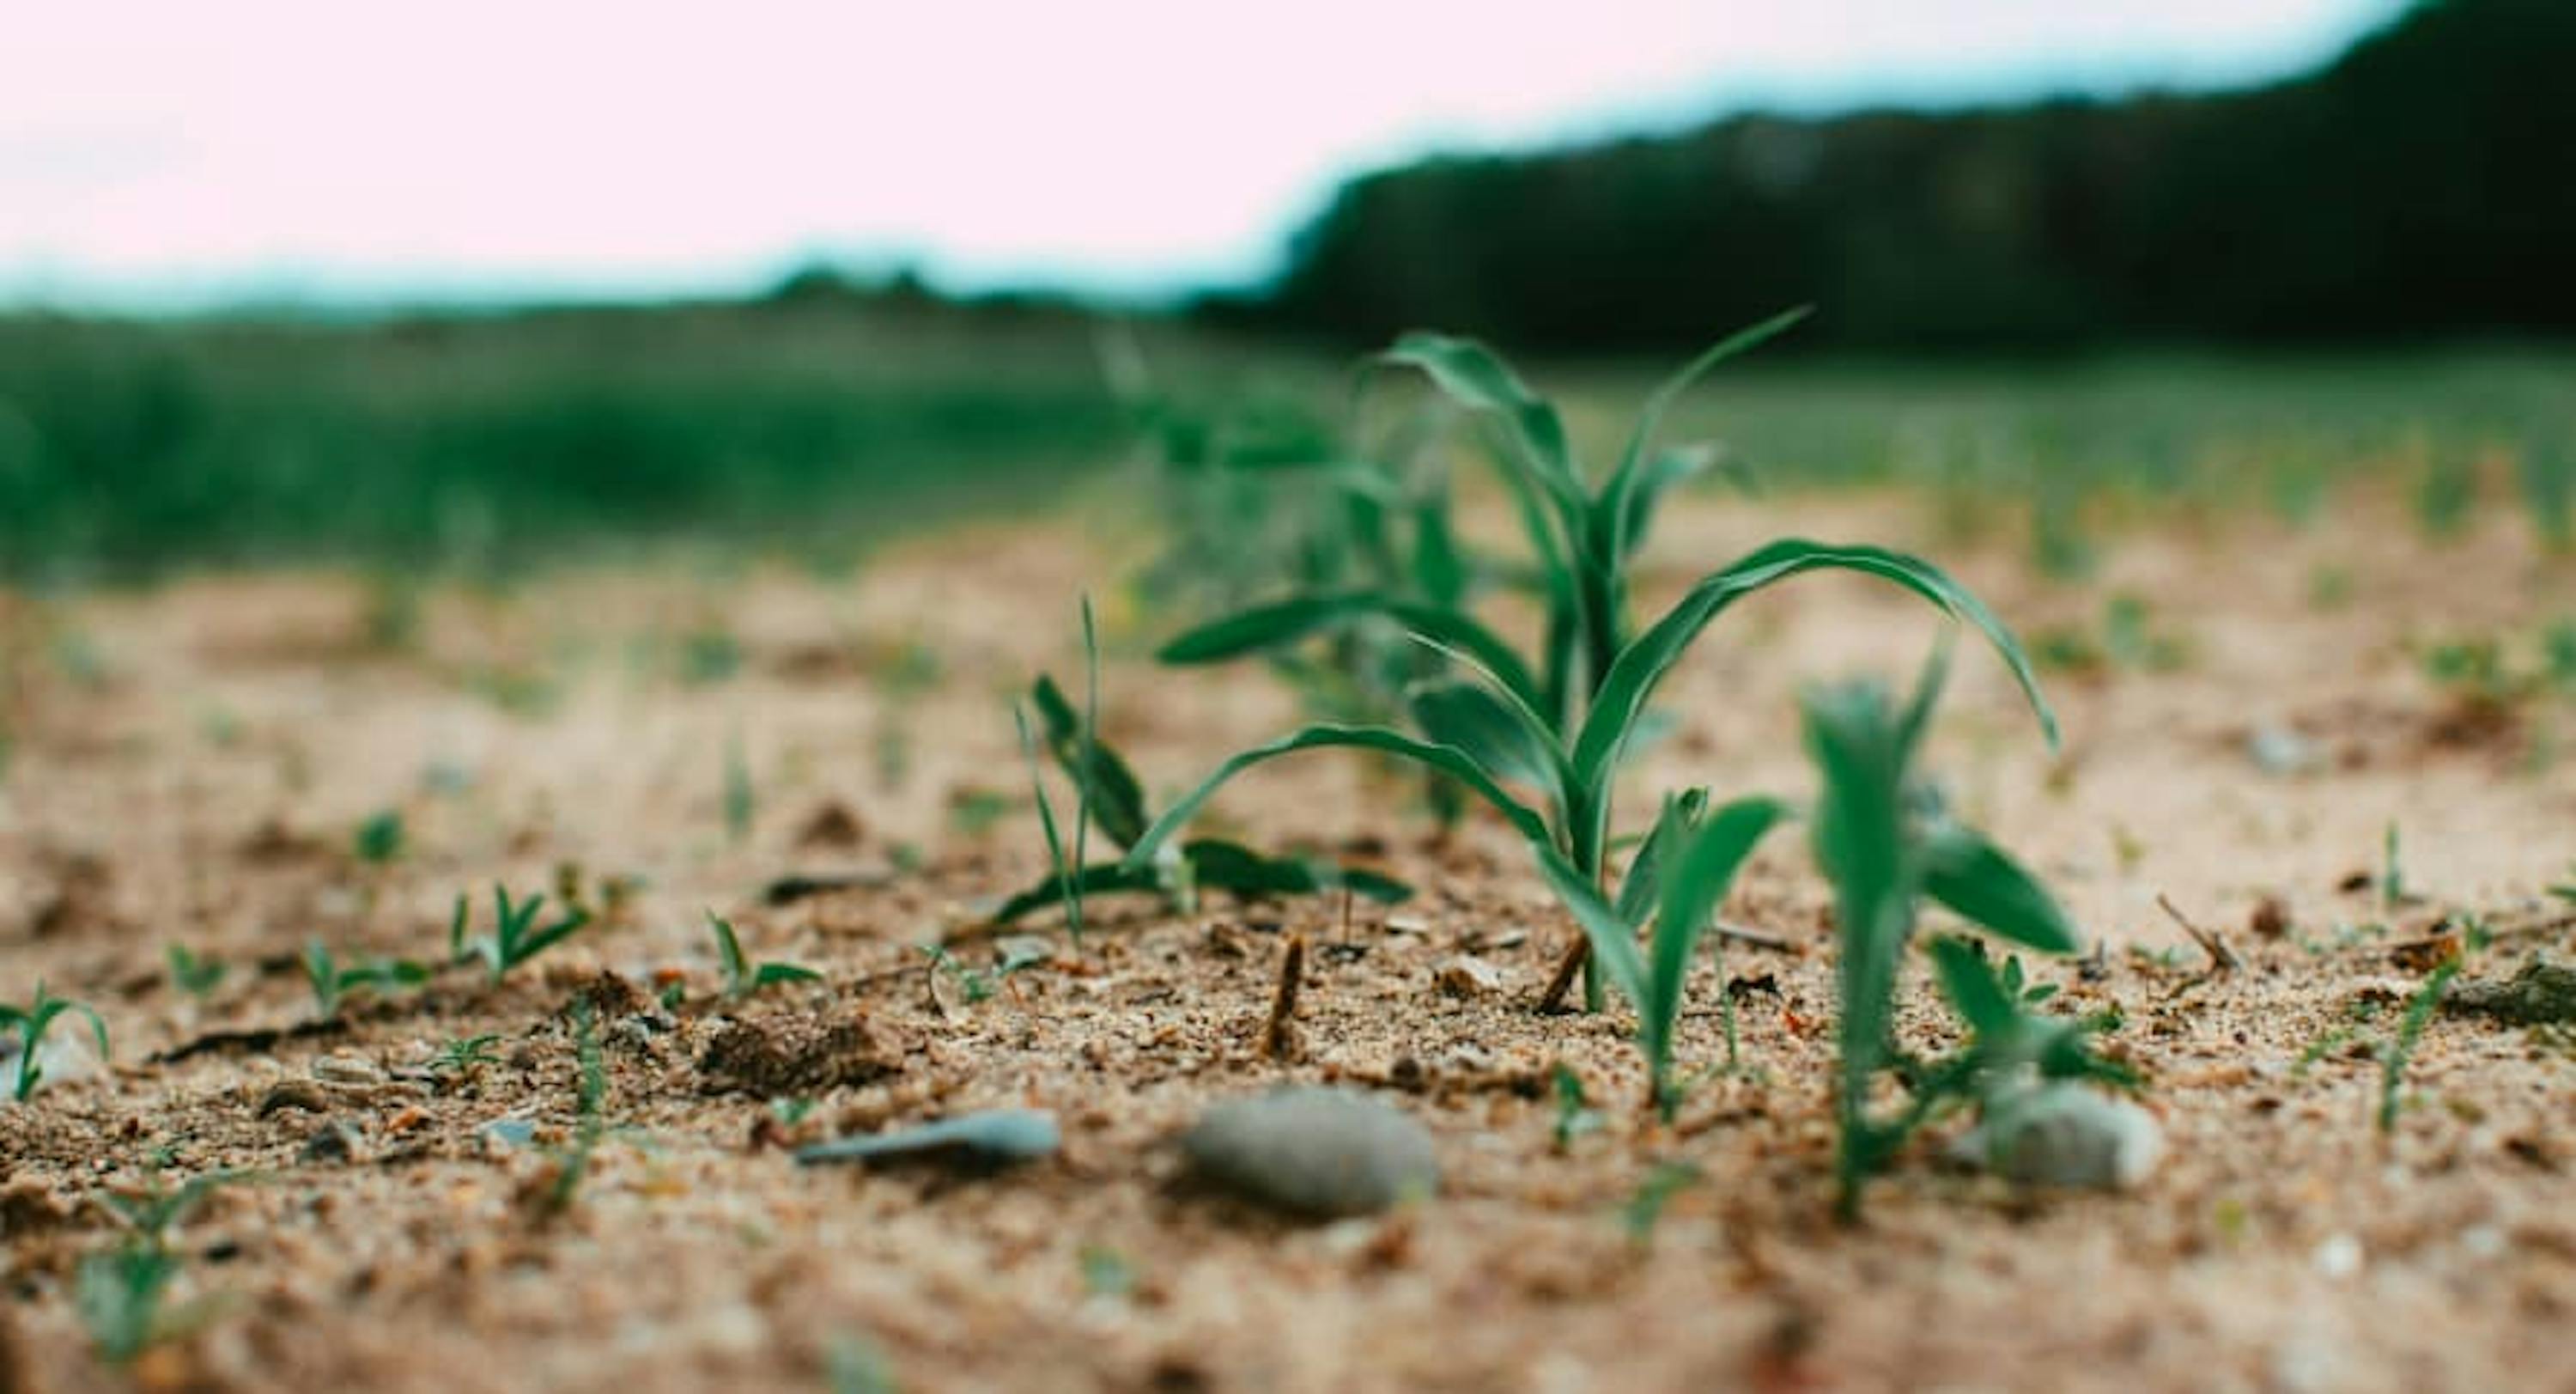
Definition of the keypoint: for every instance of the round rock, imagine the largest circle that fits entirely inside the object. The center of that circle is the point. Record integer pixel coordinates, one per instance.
(1314, 1151)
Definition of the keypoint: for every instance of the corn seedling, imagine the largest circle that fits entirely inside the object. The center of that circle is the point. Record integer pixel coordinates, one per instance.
(1110, 796)
(1563, 725)
(739, 805)
(198, 976)
(1883, 842)
(122, 1293)
(742, 977)
(1574, 1116)
(1645, 1206)
(572, 1161)
(29, 1025)
(2400, 1048)
(379, 840)
(515, 937)
(332, 983)
(464, 1056)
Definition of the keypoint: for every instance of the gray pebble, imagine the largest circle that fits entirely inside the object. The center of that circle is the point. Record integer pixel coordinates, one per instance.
(983, 1141)
(334, 1141)
(1314, 1151)
(2061, 1133)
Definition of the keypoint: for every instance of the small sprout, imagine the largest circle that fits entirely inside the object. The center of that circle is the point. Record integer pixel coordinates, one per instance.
(2394, 1053)
(30, 1023)
(332, 983)
(515, 938)
(2392, 871)
(122, 1293)
(856, 1366)
(379, 839)
(465, 1055)
(1106, 1272)
(739, 805)
(708, 655)
(194, 975)
(1645, 1208)
(1573, 1117)
(790, 1112)
(741, 977)
(572, 1162)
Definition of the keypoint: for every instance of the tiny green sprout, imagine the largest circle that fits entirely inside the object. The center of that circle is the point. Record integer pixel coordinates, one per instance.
(739, 804)
(2392, 871)
(741, 977)
(973, 812)
(790, 1112)
(465, 1055)
(1645, 1206)
(515, 939)
(332, 984)
(1573, 1117)
(2399, 1049)
(29, 1025)
(1106, 1272)
(198, 976)
(854, 1365)
(122, 1293)
(379, 839)
(572, 1161)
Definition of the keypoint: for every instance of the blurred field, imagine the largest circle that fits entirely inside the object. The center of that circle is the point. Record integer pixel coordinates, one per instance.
(480, 446)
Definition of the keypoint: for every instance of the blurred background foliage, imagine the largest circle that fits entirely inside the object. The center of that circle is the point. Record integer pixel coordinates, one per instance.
(2245, 296)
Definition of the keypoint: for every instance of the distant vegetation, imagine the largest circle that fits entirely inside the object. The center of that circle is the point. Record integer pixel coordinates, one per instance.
(2417, 186)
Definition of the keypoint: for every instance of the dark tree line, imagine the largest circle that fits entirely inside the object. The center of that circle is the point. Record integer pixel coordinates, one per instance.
(2422, 184)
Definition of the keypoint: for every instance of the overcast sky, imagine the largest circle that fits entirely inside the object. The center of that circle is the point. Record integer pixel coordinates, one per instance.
(171, 154)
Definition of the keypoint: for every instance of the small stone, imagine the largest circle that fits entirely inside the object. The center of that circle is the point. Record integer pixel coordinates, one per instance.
(1468, 976)
(293, 1093)
(347, 1069)
(1314, 1151)
(985, 1141)
(334, 1141)
(2280, 751)
(2540, 993)
(2062, 1134)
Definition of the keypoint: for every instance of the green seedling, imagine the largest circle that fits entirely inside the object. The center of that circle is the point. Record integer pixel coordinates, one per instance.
(122, 1293)
(1561, 725)
(332, 984)
(515, 939)
(2400, 1048)
(465, 1055)
(379, 839)
(1574, 1116)
(29, 1025)
(572, 1161)
(1885, 845)
(742, 978)
(2549, 487)
(2392, 871)
(739, 804)
(1645, 1206)
(790, 1112)
(854, 1365)
(1111, 797)
(194, 975)
(980, 984)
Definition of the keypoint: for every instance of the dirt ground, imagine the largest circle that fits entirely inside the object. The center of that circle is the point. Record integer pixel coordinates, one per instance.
(189, 764)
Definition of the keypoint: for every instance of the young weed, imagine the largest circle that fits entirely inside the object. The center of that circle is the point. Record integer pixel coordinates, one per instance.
(516, 937)
(1563, 724)
(572, 1161)
(739, 803)
(465, 1056)
(122, 1293)
(1645, 1206)
(29, 1025)
(1574, 1115)
(742, 978)
(332, 984)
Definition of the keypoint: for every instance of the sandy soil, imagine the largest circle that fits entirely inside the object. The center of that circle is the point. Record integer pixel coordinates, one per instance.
(188, 766)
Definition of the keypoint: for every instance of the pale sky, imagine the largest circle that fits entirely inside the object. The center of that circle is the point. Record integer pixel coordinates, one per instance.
(175, 154)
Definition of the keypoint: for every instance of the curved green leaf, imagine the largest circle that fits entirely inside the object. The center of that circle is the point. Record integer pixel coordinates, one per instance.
(1231, 866)
(1972, 987)
(1613, 940)
(1448, 760)
(1983, 884)
(1495, 734)
(1286, 621)
(1478, 379)
(1102, 878)
(1615, 495)
(1695, 878)
(1101, 775)
(1632, 680)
